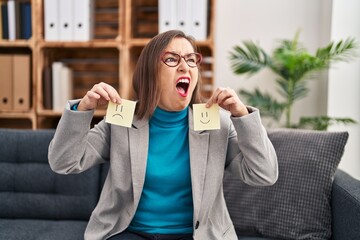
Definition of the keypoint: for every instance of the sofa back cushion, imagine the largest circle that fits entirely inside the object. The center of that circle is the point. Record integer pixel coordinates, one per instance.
(297, 206)
(30, 189)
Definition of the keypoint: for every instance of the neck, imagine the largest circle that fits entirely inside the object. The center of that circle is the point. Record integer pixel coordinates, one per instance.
(165, 118)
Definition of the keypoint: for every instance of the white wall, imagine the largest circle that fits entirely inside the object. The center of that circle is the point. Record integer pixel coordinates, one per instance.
(344, 82)
(265, 22)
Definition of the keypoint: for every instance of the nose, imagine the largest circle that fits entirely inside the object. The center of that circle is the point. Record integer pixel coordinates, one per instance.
(183, 67)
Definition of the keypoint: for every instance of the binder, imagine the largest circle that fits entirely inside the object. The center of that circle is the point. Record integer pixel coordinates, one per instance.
(6, 99)
(62, 85)
(21, 81)
(199, 18)
(66, 87)
(25, 20)
(1, 28)
(83, 20)
(4, 20)
(51, 20)
(66, 8)
(167, 15)
(11, 8)
(183, 16)
(58, 105)
(47, 88)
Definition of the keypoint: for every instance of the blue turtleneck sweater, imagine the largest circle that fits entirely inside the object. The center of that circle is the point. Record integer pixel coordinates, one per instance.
(166, 205)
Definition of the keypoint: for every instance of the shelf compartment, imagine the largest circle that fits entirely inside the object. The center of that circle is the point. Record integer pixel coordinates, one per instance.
(108, 19)
(89, 67)
(144, 20)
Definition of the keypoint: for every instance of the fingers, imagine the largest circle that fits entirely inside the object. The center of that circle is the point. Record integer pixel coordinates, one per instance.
(227, 99)
(100, 94)
(106, 91)
(222, 96)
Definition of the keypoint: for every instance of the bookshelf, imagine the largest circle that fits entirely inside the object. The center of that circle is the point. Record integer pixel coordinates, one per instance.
(122, 28)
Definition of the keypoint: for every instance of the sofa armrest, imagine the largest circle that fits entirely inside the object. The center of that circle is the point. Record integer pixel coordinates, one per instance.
(345, 205)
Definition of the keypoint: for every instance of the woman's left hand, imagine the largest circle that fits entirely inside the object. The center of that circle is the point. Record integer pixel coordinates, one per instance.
(228, 100)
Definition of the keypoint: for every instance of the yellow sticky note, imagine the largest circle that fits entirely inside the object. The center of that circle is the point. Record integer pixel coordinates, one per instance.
(206, 118)
(121, 114)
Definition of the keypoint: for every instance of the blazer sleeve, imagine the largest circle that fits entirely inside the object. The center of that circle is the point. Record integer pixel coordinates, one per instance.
(75, 148)
(251, 154)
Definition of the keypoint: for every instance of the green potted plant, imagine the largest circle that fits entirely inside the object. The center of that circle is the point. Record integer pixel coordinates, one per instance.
(293, 65)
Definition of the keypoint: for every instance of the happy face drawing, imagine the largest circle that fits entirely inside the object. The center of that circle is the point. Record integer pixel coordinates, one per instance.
(206, 118)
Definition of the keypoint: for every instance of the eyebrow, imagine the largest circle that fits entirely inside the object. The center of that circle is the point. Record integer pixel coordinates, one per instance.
(178, 52)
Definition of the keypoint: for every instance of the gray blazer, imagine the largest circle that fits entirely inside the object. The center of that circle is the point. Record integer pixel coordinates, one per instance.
(240, 146)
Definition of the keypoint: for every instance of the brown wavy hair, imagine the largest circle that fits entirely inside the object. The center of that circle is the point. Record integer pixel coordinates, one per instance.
(146, 75)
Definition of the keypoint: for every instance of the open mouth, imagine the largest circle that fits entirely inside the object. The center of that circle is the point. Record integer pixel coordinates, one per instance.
(182, 86)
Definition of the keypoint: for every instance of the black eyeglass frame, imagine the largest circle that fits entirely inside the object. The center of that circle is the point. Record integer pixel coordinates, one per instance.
(199, 56)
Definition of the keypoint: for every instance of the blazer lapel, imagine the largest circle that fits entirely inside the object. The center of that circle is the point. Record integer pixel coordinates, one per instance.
(199, 145)
(139, 142)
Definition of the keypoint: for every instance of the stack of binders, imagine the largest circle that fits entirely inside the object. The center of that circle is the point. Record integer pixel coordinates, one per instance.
(15, 19)
(69, 20)
(57, 86)
(15, 82)
(190, 16)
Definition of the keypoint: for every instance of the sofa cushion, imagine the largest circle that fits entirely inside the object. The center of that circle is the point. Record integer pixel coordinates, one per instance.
(25, 229)
(345, 206)
(297, 206)
(30, 189)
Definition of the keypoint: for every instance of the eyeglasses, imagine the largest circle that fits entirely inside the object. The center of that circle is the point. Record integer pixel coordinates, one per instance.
(172, 59)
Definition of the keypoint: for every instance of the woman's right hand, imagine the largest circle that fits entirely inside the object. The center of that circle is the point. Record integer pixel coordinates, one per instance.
(100, 94)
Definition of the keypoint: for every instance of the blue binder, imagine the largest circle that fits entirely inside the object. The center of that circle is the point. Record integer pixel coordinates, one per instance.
(25, 20)
(5, 21)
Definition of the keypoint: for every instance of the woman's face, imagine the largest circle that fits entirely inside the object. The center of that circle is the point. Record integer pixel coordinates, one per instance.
(177, 83)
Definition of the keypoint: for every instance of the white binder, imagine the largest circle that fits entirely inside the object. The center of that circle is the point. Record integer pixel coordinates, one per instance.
(11, 19)
(66, 84)
(199, 18)
(66, 20)
(51, 20)
(183, 15)
(58, 103)
(167, 15)
(83, 20)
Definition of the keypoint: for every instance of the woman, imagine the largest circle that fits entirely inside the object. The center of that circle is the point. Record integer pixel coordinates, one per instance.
(165, 179)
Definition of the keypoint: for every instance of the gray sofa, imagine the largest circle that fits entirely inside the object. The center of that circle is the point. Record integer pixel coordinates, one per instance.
(36, 203)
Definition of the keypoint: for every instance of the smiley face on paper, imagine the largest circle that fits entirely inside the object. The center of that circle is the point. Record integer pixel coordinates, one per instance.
(206, 118)
(121, 114)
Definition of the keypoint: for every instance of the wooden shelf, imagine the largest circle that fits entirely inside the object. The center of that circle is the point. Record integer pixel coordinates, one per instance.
(52, 113)
(90, 44)
(122, 29)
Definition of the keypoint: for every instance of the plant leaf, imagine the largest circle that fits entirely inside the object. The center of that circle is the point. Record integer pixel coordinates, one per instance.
(342, 50)
(268, 106)
(322, 122)
(248, 59)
